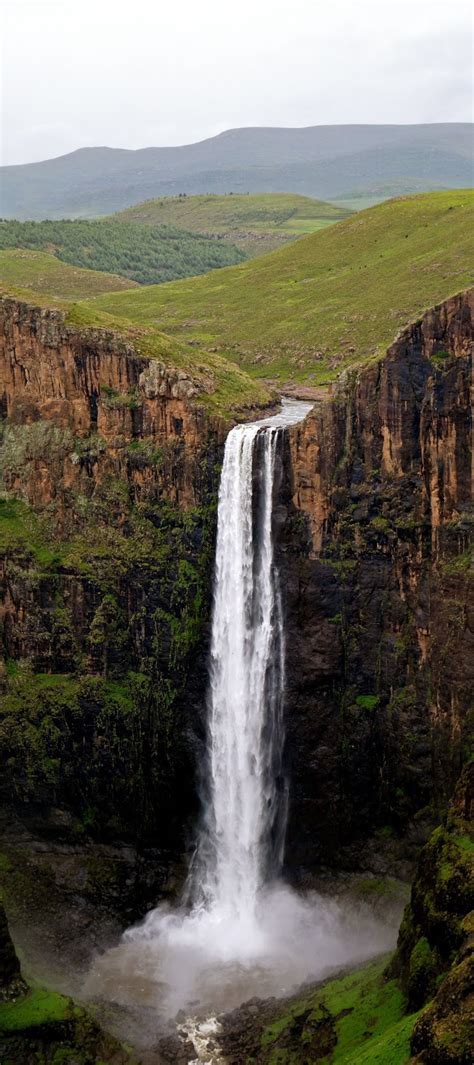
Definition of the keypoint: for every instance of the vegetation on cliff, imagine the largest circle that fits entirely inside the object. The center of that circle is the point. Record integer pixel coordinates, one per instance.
(42, 1026)
(39, 1025)
(99, 656)
(332, 300)
(146, 254)
(434, 961)
(328, 302)
(254, 223)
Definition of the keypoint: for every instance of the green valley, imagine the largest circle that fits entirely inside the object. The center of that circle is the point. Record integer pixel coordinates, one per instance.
(329, 301)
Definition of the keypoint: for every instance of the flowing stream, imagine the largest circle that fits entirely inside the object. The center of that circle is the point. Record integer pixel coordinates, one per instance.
(240, 931)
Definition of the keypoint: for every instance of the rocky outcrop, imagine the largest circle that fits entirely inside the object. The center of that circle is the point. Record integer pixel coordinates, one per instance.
(437, 925)
(92, 386)
(376, 550)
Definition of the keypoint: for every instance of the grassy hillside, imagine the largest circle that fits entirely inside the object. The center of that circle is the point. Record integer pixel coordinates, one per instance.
(44, 275)
(330, 162)
(327, 301)
(256, 224)
(149, 255)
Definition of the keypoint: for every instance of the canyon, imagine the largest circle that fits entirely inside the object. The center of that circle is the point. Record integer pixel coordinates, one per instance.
(111, 463)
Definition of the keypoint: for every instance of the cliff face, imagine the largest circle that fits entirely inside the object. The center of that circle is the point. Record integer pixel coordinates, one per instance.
(93, 382)
(107, 528)
(376, 551)
(435, 951)
(110, 470)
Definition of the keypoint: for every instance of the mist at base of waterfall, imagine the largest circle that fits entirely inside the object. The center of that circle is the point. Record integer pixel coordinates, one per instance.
(209, 961)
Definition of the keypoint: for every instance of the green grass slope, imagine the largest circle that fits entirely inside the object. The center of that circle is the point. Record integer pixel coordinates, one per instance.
(149, 255)
(330, 300)
(256, 224)
(43, 274)
(357, 1018)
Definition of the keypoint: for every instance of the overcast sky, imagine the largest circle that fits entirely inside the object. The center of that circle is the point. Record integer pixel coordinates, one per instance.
(133, 73)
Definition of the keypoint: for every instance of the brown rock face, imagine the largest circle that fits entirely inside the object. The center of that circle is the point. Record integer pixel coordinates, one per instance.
(380, 593)
(94, 382)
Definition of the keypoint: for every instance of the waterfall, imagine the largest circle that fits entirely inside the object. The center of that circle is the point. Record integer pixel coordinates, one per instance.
(241, 840)
(240, 930)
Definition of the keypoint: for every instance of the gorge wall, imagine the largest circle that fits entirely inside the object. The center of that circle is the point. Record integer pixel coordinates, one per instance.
(377, 549)
(110, 470)
(107, 537)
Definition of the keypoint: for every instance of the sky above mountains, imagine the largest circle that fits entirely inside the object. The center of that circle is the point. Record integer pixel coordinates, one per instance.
(152, 73)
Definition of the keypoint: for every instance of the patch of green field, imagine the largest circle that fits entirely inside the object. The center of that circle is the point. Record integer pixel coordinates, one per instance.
(255, 223)
(36, 1008)
(331, 300)
(368, 1017)
(361, 203)
(41, 273)
(301, 226)
(269, 210)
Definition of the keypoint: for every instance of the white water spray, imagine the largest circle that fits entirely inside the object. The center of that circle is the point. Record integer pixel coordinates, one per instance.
(240, 931)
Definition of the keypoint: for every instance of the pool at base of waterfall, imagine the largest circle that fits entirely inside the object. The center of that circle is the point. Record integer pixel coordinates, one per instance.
(194, 966)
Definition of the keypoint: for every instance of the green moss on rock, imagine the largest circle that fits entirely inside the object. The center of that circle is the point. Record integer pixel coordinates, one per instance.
(45, 1027)
(33, 1010)
(359, 1018)
(421, 976)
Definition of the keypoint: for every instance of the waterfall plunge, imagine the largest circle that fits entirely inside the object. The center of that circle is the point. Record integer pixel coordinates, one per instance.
(244, 815)
(240, 931)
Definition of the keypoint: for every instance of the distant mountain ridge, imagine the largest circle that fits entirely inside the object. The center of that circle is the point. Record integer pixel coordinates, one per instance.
(329, 162)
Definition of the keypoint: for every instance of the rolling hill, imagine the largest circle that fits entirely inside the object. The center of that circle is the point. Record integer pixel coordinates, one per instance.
(328, 301)
(146, 254)
(328, 162)
(254, 223)
(44, 275)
